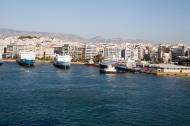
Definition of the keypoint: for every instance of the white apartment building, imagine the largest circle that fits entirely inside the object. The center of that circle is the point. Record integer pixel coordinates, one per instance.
(110, 51)
(49, 51)
(130, 54)
(90, 51)
(164, 53)
(141, 52)
(1, 48)
(13, 49)
(188, 52)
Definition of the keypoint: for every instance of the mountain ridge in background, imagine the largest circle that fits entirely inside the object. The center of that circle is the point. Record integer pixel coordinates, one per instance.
(5, 32)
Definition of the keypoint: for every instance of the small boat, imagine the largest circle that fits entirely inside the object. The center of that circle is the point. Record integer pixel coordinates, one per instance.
(91, 63)
(26, 58)
(1, 62)
(106, 62)
(108, 69)
(62, 61)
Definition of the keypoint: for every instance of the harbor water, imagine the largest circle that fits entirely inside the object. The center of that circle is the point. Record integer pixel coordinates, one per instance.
(80, 96)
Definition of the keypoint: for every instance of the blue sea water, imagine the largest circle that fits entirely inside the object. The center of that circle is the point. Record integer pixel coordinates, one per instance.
(81, 96)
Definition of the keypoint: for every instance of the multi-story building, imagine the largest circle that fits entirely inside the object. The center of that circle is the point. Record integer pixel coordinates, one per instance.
(81, 53)
(2, 48)
(188, 52)
(110, 51)
(130, 54)
(90, 51)
(40, 50)
(164, 53)
(58, 49)
(141, 52)
(77, 52)
(66, 49)
(176, 51)
(13, 49)
(154, 55)
(147, 53)
(49, 52)
(45, 51)
(62, 49)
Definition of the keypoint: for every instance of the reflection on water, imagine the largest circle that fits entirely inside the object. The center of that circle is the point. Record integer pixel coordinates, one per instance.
(110, 77)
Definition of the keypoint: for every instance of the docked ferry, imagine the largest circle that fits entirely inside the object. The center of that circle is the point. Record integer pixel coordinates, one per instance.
(62, 61)
(26, 58)
(126, 65)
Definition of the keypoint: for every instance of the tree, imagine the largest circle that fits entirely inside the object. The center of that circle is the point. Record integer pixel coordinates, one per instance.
(97, 58)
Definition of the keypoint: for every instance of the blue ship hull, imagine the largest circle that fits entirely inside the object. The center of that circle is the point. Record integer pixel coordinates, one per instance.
(26, 62)
(65, 65)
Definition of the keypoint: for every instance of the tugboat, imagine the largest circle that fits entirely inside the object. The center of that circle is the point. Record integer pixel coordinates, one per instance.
(91, 63)
(105, 62)
(62, 61)
(26, 58)
(1, 62)
(108, 69)
(107, 66)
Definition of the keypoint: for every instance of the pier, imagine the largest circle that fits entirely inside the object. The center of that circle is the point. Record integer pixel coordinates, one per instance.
(167, 70)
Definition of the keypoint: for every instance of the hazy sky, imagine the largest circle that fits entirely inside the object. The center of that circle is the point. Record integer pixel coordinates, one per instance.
(159, 20)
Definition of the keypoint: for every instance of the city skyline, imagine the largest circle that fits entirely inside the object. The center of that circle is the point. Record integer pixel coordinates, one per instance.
(151, 20)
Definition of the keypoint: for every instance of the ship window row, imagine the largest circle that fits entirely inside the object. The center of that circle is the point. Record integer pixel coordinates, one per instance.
(177, 68)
